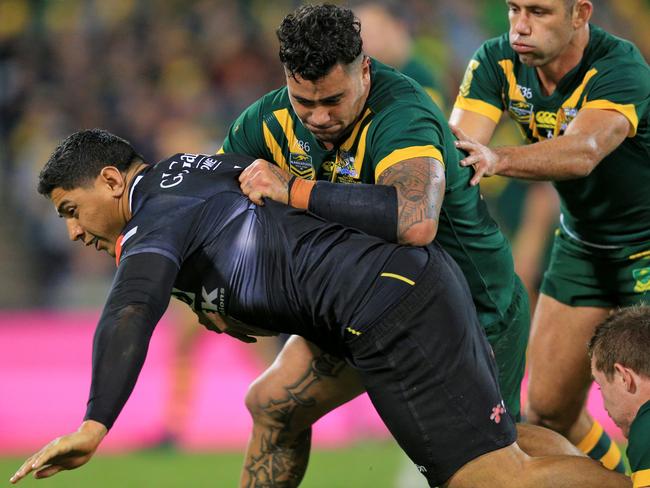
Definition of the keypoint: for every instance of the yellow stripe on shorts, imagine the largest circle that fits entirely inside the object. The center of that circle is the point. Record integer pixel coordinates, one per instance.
(398, 277)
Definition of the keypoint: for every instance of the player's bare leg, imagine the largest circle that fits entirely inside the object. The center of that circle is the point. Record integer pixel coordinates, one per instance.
(510, 467)
(559, 372)
(559, 367)
(540, 441)
(302, 385)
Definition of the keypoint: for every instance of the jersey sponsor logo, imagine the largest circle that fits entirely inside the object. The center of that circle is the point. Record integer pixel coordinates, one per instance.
(421, 469)
(468, 77)
(213, 301)
(520, 111)
(642, 280)
(546, 120)
(301, 165)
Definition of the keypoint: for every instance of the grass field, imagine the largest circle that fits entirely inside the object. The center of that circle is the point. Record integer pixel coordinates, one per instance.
(373, 465)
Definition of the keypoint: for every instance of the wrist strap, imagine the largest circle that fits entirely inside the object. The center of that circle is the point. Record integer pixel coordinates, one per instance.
(299, 192)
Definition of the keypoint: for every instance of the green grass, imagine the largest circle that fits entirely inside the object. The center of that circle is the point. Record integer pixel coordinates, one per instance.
(366, 464)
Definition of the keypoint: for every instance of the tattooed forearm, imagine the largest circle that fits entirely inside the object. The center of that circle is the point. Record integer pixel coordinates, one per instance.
(420, 184)
(282, 453)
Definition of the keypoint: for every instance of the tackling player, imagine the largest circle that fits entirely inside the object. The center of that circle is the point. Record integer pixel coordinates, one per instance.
(580, 96)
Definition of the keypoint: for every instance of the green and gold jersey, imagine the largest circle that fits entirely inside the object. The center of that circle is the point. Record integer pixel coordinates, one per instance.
(398, 122)
(611, 205)
(638, 449)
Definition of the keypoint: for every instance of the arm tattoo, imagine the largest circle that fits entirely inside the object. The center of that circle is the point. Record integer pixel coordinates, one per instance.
(283, 176)
(283, 455)
(420, 190)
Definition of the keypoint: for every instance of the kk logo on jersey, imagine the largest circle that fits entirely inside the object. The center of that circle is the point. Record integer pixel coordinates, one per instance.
(642, 278)
(300, 165)
(521, 111)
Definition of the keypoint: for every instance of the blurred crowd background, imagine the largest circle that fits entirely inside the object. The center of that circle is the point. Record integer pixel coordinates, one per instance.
(171, 75)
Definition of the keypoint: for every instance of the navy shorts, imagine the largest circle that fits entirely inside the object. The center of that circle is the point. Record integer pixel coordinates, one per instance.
(428, 368)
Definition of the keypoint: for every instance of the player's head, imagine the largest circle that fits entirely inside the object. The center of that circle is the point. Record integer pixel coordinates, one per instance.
(85, 178)
(328, 77)
(620, 362)
(541, 31)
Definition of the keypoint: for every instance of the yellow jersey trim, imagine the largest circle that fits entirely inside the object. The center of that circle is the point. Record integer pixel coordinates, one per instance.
(639, 255)
(398, 277)
(514, 93)
(613, 456)
(220, 151)
(641, 478)
(572, 101)
(399, 155)
(353, 331)
(629, 111)
(479, 107)
(274, 147)
(591, 439)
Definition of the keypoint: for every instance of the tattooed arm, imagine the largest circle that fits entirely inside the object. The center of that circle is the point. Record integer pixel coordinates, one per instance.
(420, 185)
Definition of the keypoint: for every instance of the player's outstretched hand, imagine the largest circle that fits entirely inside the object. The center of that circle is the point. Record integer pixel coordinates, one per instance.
(66, 452)
(482, 158)
(264, 180)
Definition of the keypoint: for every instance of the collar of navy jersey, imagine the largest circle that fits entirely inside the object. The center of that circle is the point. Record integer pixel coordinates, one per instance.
(135, 182)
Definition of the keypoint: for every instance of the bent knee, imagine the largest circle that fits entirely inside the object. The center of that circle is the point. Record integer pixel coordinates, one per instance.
(552, 415)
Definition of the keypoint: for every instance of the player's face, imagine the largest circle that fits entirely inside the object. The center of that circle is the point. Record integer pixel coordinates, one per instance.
(91, 215)
(615, 398)
(540, 30)
(328, 107)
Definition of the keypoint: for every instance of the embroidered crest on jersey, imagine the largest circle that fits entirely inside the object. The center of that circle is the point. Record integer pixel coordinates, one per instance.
(520, 111)
(345, 167)
(642, 277)
(300, 165)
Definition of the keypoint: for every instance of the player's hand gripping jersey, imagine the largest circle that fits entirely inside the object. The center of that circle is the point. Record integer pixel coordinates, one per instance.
(610, 206)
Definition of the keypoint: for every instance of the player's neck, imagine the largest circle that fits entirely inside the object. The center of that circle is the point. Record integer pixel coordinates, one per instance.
(125, 204)
(551, 73)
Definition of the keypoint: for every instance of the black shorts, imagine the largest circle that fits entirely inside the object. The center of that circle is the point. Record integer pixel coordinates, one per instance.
(430, 372)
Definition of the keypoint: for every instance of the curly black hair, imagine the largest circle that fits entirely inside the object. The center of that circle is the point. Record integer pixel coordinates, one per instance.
(80, 157)
(314, 38)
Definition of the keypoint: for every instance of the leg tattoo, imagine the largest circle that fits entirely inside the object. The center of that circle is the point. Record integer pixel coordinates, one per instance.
(283, 454)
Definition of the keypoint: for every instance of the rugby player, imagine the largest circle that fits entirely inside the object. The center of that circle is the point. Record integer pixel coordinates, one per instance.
(363, 145)
(580, 97)
(400, 315)
(621, 366)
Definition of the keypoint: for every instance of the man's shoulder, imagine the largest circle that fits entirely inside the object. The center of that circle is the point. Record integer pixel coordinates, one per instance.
(609, 52)
(270, 103)
(393, 91)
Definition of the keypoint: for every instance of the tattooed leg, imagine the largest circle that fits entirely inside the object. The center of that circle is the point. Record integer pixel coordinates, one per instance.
(302, 385)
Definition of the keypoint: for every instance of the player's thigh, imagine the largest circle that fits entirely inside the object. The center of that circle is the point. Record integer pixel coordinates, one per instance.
(540, 441)
(306, 380)
(559, 374)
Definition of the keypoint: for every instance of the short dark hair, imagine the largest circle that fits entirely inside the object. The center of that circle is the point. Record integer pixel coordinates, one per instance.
(314, 38)
(80, 157)
(624, 338)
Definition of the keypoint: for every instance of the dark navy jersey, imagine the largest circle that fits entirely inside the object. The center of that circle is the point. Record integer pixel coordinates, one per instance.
(273, 266)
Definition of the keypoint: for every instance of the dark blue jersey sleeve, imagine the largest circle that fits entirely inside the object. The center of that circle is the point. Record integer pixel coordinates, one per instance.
(138, 298)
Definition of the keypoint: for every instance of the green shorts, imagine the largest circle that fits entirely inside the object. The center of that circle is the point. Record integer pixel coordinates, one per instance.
(509, 338)
(581, 275)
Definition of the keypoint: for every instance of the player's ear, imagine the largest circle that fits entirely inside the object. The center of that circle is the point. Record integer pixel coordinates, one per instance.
(581, 14)
(113, 179)
(627, 376)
